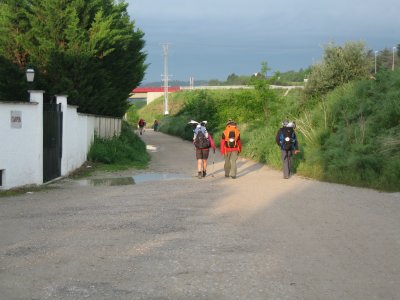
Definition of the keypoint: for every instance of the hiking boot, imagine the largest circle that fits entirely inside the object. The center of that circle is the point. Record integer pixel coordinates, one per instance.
(233, 177)
(200, 175)
(226, 176)
(204, 173)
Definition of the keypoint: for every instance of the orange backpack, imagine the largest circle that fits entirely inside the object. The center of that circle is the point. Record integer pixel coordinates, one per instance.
(231, 134)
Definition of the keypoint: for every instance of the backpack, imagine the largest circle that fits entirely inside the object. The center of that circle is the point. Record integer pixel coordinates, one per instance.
(287, 138)
(141, 122)
(201, 141)
(232, 135)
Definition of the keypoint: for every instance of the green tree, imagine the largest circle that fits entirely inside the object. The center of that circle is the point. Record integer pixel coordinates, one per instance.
(385, 59)
(293, 76)
(341, 64)
(89, 50)
(214, 82)
(12, 83)
(232, 79)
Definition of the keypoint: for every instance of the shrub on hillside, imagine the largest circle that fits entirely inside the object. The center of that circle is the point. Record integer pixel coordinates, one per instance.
(340, 64)
(361, 147)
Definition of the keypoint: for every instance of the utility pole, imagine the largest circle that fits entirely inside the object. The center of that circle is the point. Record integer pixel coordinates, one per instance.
(394, 48)
(191, 82)
(165, 77)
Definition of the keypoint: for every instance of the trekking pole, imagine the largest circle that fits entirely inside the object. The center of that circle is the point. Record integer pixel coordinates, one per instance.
(212, 175)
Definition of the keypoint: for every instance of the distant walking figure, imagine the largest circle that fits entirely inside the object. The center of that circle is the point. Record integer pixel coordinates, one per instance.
(141, 125)
(155, 125)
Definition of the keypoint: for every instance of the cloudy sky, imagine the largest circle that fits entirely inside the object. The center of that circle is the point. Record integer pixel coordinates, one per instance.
(210, 39)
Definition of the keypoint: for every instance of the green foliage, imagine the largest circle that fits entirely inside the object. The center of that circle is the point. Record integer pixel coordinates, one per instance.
(285, 78)
(361, 145)
(13, 86)
(290, 77)
(386, 59)
(234, 79)
(351, 135)
(127, 150)
(339, 66)
(155, 109)
(132, 115)
(89, 50)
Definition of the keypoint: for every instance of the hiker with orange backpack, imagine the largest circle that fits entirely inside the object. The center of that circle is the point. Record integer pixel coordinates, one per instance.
(230, 148)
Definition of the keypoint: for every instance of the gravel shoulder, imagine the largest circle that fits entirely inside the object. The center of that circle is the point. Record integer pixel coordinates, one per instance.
(256, 237)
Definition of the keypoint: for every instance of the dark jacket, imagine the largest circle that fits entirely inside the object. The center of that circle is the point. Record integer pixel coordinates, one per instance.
(278, 139)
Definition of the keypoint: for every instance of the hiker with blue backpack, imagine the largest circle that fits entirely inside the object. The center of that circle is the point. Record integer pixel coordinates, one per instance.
(287, 142)
(202, 141)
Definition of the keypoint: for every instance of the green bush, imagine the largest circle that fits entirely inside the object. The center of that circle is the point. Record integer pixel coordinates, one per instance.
(362, 142)
(341, 64)
(126, 150)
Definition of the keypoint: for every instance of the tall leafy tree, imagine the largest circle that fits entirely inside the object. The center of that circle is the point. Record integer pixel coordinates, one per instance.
(88, 49)
(340, 64)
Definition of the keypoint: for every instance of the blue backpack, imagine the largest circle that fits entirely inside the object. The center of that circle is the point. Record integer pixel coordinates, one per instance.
(287, 138)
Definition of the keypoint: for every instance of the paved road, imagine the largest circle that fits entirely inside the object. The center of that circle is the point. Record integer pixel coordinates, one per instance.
(179, 237)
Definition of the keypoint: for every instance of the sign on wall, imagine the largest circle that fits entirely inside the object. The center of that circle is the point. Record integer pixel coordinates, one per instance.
(16, 119)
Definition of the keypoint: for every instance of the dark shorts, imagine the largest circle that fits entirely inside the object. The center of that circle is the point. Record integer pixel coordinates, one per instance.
(202, 153)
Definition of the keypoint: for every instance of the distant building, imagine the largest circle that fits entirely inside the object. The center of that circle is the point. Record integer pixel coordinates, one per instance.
(148, 94)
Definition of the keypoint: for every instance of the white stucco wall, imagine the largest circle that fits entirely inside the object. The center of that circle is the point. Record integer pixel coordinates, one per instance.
(107, 127)
(151, 96)
(21, 150)
(78, 134)
(21, 137)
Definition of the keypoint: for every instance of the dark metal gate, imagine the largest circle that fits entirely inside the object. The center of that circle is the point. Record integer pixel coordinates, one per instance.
(52, 141)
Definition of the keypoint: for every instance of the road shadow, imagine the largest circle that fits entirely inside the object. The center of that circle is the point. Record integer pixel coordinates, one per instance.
(243, 171)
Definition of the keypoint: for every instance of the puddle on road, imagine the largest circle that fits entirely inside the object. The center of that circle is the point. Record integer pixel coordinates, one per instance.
(157, 177)
(151, 148)
(130, 180)
(106, 181)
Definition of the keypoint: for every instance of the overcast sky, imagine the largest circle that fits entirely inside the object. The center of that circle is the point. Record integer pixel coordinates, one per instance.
(211, 39)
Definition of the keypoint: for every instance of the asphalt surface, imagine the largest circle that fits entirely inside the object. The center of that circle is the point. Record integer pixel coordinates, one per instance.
(174, 236)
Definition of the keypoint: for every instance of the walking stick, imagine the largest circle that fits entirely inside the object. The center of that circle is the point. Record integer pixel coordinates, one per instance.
(212, 174)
